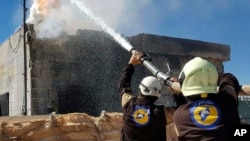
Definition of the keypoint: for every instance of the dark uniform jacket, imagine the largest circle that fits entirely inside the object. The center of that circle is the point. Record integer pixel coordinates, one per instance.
(210, 119)
(142, 120)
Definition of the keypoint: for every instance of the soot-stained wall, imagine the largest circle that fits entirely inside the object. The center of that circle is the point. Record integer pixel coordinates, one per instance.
(80, 73)
(76, 73)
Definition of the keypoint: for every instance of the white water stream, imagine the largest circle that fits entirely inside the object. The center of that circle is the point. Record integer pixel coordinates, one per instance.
(124, 43)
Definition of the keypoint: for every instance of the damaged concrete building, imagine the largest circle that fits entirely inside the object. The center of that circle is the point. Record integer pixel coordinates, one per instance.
(80, 73)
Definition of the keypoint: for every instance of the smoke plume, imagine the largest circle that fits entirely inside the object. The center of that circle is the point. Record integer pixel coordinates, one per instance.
(51, 18)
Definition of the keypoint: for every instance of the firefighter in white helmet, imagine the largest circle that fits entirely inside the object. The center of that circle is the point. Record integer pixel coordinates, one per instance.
(207, 113)
(143, 120)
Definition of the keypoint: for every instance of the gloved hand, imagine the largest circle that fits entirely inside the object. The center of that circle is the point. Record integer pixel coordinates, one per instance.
(175, 88)
(135, 59)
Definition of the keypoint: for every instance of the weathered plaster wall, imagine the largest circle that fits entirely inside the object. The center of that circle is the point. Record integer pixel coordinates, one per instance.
(12, 75)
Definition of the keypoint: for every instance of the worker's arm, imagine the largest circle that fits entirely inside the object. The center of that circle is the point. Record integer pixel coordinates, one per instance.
(126, 76)
(229, 84)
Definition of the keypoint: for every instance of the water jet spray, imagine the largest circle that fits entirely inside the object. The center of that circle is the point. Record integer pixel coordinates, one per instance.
(146, 60)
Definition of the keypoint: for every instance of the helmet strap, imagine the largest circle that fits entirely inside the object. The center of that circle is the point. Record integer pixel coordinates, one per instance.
(204, 95)
(181, 78)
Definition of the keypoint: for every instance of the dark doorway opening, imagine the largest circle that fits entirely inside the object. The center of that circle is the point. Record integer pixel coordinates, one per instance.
(4, 104)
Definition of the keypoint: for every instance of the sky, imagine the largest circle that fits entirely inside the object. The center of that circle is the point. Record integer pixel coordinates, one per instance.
(218, 21)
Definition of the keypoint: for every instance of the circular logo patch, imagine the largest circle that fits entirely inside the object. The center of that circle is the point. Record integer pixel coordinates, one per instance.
(205, 114)
(141, 115)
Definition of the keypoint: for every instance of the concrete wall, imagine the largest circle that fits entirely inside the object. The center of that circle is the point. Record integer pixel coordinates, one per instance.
(80, 73)
(12, 75)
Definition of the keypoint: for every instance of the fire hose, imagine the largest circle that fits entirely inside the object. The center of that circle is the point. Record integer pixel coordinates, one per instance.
(165, 77)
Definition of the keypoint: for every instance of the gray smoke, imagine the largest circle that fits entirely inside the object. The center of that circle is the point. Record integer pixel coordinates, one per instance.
(51, 18)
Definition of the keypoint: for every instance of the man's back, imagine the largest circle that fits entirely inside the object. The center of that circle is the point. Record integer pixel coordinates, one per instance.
(210, 118)
(143, 121)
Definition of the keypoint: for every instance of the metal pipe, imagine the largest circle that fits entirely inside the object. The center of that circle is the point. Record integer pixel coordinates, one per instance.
(150, 67)
(24, 108)
(163, 77)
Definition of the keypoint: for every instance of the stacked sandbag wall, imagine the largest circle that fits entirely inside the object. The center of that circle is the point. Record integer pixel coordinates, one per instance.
(67, 127)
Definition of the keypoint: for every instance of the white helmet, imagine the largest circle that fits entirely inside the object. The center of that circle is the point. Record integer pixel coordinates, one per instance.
(197, 77)
(150, 86)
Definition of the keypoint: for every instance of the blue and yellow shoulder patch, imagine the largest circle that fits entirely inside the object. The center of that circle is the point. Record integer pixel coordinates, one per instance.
(205, 114)
(141, 115)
